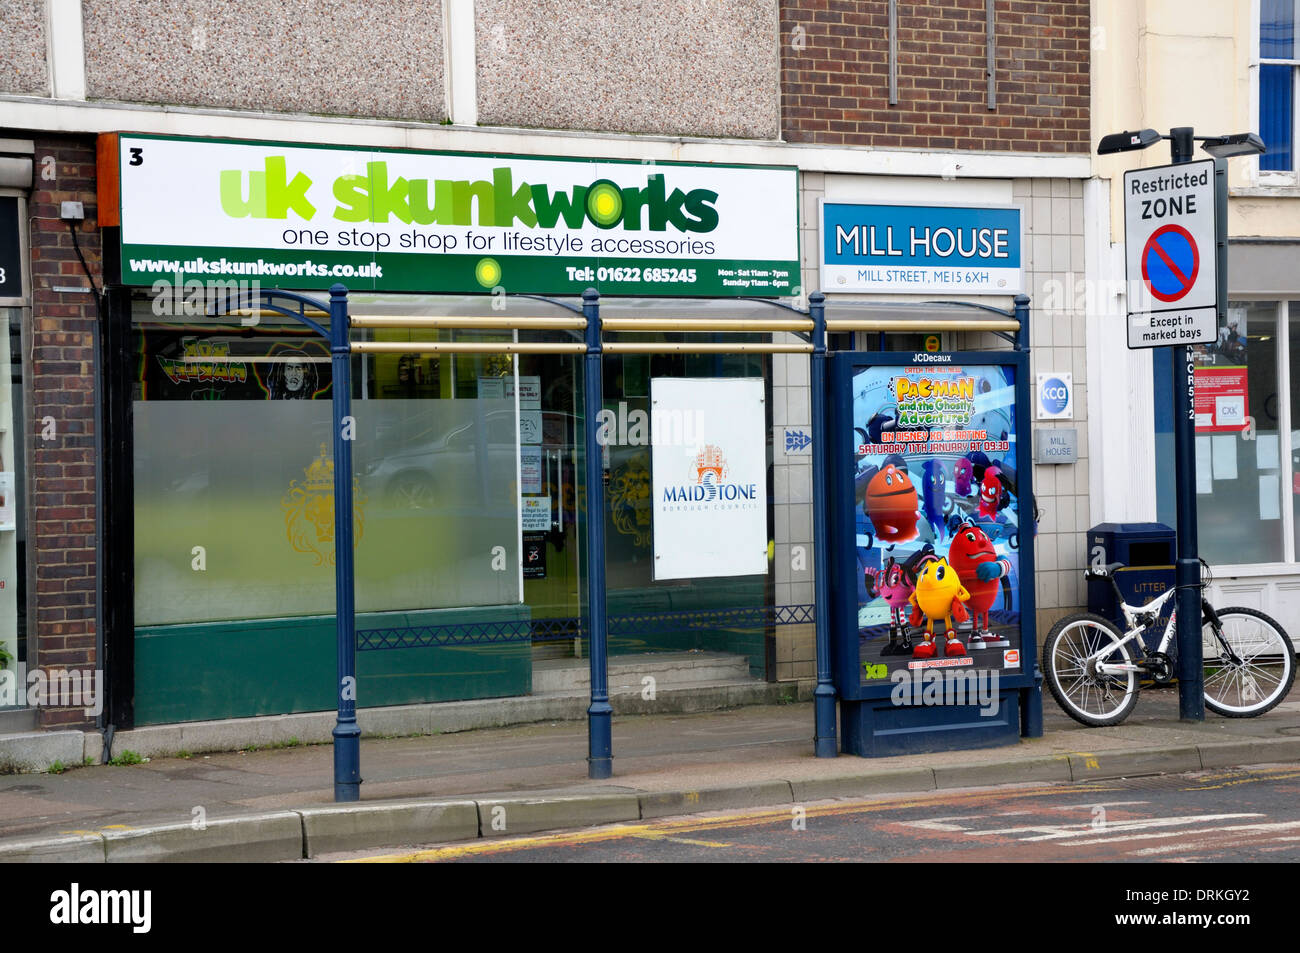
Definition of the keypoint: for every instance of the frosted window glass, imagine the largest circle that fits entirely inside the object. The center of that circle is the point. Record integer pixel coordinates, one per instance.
(251, 482)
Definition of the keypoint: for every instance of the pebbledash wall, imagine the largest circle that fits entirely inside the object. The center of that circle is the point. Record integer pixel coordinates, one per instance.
(754, 81)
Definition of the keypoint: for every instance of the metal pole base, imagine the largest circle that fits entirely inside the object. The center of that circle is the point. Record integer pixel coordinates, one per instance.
(1031, 709)
(1191, 672)
(600, 742)
(824, 720)
(347, 762)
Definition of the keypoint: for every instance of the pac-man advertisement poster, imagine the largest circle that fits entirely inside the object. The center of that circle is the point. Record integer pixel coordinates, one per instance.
(937, 513)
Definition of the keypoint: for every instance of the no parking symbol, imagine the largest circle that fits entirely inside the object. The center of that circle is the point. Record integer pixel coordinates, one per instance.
(1170, 262)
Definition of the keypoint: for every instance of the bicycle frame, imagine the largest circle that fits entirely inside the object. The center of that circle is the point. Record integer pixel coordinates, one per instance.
(1137, 618)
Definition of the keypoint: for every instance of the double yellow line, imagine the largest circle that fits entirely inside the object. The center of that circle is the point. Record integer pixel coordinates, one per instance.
(673, 830)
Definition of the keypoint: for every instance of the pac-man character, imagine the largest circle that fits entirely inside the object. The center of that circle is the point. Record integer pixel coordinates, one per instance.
(1007, 474)
(961, 476)
(939, 595)
(891, 504)
(893, 585)
(990, 495)
(934, 495)
(978, 566)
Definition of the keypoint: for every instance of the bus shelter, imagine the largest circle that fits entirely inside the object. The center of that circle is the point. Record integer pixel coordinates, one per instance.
(844, 463)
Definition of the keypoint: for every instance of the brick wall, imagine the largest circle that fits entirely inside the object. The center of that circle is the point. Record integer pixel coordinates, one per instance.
(835, 75)
(61, 496)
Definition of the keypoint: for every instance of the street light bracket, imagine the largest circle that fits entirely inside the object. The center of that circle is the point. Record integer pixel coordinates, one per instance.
(1127, 141)
(1236, 144)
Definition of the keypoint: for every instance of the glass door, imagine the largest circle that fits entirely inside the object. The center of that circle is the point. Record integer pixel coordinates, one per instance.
(550, 437)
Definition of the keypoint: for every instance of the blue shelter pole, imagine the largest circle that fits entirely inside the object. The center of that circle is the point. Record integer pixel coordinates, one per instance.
(1031, 699)
(824, 695)
(600, 758)
(1022, 317)
(347, 733)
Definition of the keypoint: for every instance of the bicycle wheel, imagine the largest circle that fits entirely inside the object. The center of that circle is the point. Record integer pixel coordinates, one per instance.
(1264, 670)
(1085, 695)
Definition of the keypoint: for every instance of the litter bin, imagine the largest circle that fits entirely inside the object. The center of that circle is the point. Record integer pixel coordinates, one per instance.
(1147, 551)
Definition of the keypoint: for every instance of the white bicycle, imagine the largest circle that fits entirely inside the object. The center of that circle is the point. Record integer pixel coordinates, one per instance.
(1093, 671)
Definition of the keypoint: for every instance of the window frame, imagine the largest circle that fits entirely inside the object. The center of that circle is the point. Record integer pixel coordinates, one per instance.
(1288, 563)
(21, 433)
(1286, 178)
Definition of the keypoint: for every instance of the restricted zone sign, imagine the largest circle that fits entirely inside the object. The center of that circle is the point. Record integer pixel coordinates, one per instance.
(1173, 277)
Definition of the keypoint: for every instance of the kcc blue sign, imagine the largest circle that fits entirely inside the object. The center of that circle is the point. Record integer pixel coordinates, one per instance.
(921, 248)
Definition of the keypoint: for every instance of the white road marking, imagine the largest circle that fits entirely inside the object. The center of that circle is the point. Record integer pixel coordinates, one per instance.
(1232, 829)
(1167, 849)
(1106, 832)
(941, 823)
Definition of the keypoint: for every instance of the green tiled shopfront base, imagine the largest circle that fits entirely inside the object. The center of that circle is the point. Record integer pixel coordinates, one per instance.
(207, 671)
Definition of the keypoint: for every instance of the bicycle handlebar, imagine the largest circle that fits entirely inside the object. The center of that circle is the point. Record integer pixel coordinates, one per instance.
(1108, 573)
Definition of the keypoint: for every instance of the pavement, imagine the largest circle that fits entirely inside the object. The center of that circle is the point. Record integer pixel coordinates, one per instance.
(276, 804)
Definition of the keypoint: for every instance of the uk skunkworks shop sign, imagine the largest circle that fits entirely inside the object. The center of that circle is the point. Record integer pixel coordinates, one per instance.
(920, 249)
(388, 220)
(709, 478)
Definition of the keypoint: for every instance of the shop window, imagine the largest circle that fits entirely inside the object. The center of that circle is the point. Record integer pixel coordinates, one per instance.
(1276, 78)
(1238, 430)
(234, 510)
(628, 465)
(1242, 444)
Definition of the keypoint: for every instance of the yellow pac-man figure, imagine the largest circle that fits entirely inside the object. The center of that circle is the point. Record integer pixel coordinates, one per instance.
(939, 595)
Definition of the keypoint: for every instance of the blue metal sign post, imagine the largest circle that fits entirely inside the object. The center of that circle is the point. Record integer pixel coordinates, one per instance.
(1187, 575)
(1166, 287)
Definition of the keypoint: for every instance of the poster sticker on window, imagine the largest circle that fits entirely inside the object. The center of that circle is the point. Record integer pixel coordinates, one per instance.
(530, 469)
(535, 513)
(709, 477)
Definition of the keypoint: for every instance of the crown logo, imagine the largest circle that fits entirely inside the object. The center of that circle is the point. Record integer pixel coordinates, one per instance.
(308, 509)
(319, 475)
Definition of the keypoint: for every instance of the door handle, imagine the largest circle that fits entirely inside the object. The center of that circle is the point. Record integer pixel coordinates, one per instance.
(559, 483)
